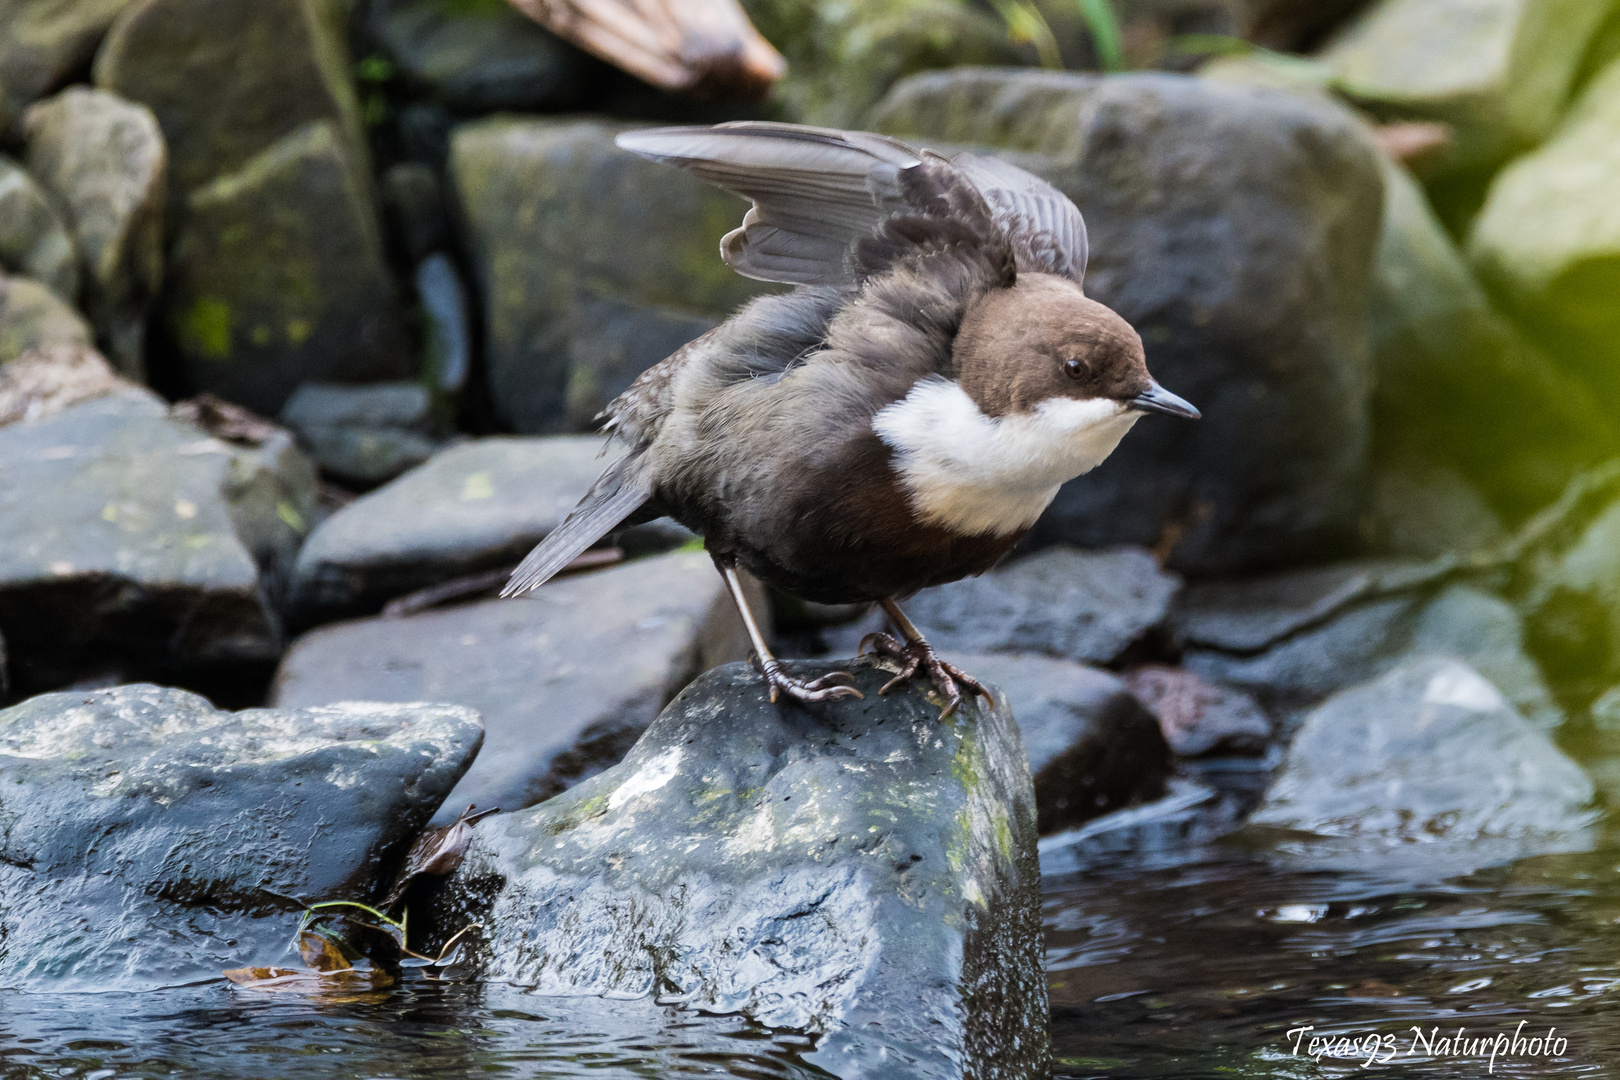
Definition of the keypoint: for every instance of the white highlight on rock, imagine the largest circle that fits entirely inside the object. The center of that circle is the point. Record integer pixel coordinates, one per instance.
(975, 474)
(650, 777)
(1459, 685)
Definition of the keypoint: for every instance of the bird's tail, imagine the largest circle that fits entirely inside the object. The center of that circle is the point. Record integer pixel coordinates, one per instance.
(617, 494)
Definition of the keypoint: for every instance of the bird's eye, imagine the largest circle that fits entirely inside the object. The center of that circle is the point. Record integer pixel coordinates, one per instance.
(1074, 369)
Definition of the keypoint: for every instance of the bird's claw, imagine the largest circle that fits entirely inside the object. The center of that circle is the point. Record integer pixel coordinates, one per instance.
(826, 688)
(915, 656)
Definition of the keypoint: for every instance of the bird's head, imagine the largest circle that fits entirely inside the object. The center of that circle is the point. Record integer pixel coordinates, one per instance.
(1042, 343)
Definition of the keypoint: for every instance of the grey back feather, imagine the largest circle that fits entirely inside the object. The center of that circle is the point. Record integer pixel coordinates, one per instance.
(817, 192)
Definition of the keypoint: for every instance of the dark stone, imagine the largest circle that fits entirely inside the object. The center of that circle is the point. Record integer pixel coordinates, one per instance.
(1093, 607)
(565, 680)
(43, 42)
(1235, 229)
(277, 277)
(1092, 747)
(151, 840)
(1293, 639)
(133, 540)
(858, 869)
(481, 56)
(413, 202)
(1427, 765)
(1198, 717)
(593, 264)
(473, 507)
(365, 435)
(34, 241)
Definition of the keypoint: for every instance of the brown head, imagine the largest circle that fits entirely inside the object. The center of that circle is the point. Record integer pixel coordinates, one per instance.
(1044, 339)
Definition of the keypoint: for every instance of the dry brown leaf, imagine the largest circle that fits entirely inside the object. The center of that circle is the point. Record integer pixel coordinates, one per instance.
(437, 851)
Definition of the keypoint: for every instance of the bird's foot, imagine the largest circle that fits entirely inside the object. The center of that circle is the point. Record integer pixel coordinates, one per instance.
(915, 656)
(826, 688)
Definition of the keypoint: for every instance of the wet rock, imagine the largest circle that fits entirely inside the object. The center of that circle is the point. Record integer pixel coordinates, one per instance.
(34, 242)
(365, 435)
(593, 264)
(1092, 747)
(1452, 370)
(105, 162)
(1092, 607)
(447, 353)
(1497, 71)
(278, 278)
(481, 56)
(1548, 238)
(1196, 716)
(45, 381)
(477, 506)
(1427, 758)
(228, 78)
(1294, 639)
(1259, 322)
(153, 840)
(843, 57)
(33, 317)
(43, 42)
(134, 541)
(858, 869)
(565, 680)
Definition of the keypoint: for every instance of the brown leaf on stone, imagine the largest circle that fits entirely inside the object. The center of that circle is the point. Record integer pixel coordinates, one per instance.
(437, 852)
(321, 952)
(55, 377)
(225, 420)
(705, 48)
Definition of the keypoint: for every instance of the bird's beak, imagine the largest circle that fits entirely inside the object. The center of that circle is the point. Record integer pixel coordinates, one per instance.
(1157, 399)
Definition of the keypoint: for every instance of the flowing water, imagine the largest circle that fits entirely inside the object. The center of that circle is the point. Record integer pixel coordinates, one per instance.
(1183, 957)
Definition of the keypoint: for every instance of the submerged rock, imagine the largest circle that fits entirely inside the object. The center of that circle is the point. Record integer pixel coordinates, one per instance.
(1235, 229)
(105, 162)
(133, 542)
(43, 42)
(278, 277)
(1497, 71)
(858, 869)
(152, 840)
(565, 679)
(365, 435)
(473, 507)
(33, 317)
(1092, 747)
(1427, 758)
(34, 241)
(1548, 238)
(1093, 607)
(593, 263)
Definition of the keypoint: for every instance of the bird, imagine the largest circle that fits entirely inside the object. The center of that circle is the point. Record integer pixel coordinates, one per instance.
(902, 416)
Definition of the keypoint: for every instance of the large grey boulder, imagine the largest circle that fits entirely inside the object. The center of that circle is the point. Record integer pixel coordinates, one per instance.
(1293, 639)
(278, 277)
(152, 840)
(134, 543)
(593, 264)
(1427, 765)
(33, 317)
(480, 57)
(1547, 240)
(227, 78)
(1094, 607)
(105, 162)
(1093, 748)
(1235, 229)
(476, 506)
(34, 241)
(565, 679)
(43, 42)
(860, 869)
(1497, 71)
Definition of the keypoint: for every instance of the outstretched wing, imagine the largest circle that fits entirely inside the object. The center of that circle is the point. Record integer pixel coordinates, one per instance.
(817, 192)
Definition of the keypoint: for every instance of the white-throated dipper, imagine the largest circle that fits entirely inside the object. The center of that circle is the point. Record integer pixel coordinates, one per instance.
(897, 421)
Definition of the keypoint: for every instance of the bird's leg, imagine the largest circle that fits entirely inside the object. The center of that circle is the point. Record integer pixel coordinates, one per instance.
(914, 654)
(825, 688)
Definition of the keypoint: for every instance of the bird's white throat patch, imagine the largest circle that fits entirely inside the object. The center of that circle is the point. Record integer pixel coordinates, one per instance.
(976, 474)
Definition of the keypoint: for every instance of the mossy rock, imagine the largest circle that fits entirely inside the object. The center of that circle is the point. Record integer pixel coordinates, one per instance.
(32, 317)
(43, 42)
(1548, 239)
(277, 276)
(34, 241)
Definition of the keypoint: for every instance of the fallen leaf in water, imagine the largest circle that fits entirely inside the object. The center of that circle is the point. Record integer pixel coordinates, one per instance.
(346, 985)
(321, 952)
(437, 852)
